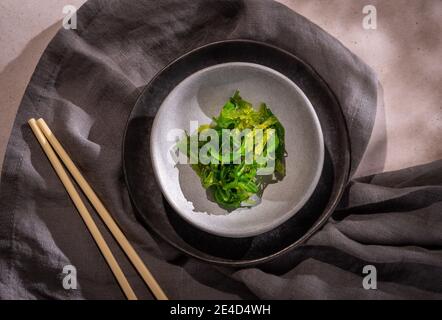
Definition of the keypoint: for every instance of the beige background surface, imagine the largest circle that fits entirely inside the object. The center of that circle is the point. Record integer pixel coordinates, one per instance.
(405, 51)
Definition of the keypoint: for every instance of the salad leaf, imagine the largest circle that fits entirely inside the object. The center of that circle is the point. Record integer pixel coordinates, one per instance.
(233, 181)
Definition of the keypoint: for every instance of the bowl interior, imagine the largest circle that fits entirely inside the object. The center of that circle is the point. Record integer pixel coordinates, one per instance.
(199, 98)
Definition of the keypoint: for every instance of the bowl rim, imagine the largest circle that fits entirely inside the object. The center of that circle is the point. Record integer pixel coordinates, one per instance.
(333, 203)
(263, 228)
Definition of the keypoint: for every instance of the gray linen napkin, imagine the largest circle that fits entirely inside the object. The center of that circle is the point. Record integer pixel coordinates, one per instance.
(85, 85)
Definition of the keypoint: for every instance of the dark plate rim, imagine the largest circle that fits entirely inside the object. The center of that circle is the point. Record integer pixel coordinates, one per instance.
(319, 223)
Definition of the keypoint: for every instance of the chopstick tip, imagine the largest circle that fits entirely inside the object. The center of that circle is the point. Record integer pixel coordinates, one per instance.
(42, 124)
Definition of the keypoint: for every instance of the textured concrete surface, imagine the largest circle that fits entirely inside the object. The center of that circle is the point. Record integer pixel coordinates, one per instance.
(405, 51)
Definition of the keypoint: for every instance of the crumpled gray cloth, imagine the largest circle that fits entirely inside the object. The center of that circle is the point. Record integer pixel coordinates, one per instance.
(85, 86)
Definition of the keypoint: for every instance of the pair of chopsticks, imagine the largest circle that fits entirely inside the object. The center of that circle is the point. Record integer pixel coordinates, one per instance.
(53, 150)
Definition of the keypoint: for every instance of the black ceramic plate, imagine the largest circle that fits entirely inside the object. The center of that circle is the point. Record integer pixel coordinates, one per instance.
(155, 212)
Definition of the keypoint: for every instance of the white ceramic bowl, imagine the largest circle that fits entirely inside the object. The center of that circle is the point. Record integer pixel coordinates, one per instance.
(199, 98)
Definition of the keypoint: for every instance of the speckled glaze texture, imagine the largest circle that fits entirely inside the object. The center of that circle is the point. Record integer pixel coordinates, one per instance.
(199, 99)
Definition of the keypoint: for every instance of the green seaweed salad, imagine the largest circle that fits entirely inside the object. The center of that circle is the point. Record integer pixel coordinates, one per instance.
(233, 181)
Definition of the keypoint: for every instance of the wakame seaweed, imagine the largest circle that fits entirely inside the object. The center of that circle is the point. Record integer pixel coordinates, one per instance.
(234, 181)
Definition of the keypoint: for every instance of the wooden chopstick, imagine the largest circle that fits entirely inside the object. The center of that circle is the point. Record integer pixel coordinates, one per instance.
(84, 213)
(104, 213)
